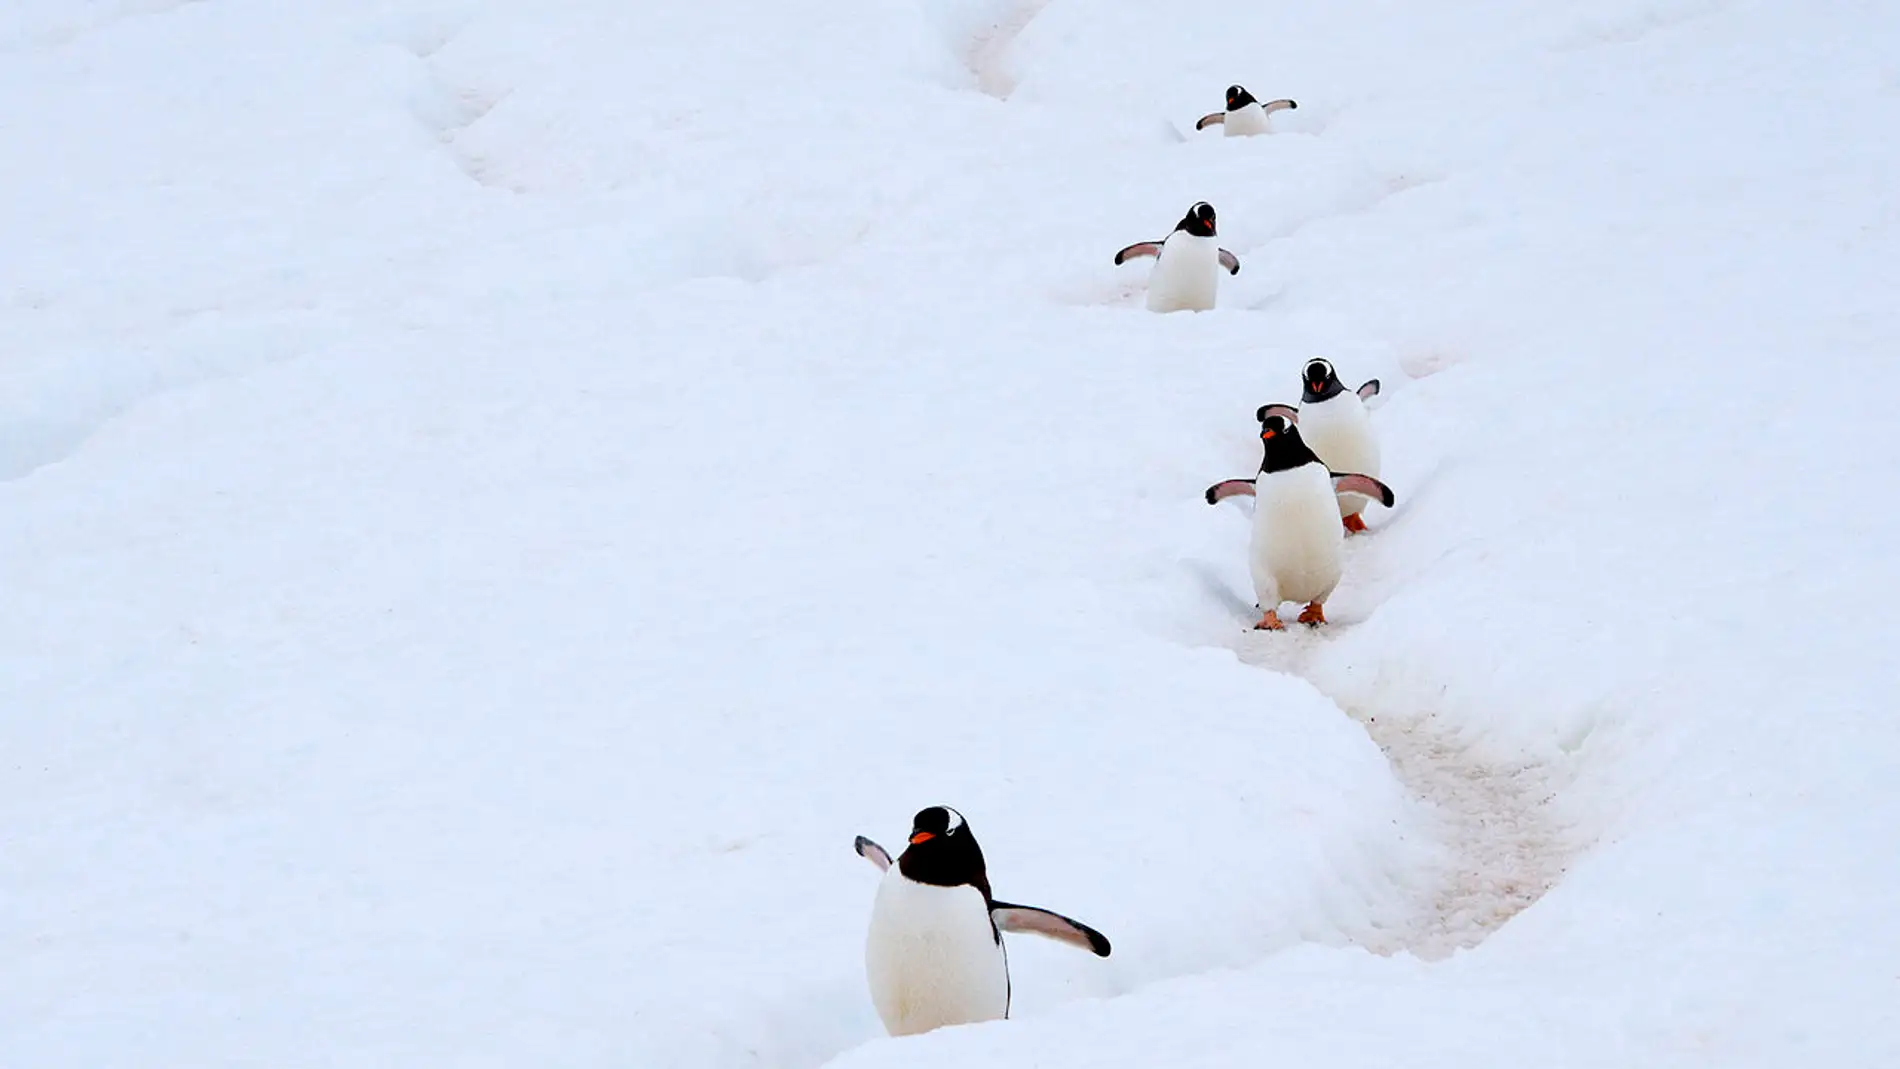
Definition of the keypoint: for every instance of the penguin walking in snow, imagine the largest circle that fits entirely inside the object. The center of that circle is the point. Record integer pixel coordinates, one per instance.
(1334, 422)
(1187, 263)
(1297, 545)
(934, 955)
(1244, 116)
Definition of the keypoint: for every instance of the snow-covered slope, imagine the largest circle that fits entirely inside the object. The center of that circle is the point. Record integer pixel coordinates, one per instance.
(497, 494)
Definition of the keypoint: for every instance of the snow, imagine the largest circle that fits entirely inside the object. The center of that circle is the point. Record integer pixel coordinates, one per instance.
(496, 495)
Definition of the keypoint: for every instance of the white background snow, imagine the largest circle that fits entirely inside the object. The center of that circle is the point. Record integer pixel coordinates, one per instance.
(497, 494)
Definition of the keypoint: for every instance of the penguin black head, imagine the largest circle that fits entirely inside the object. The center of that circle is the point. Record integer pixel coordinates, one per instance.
(1238, 97)
(1319, 381)
(1282, 448)
(1199, 220)
(942, 852)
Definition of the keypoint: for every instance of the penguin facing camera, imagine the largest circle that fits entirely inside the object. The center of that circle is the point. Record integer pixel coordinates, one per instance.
(934, 954)
(1337, 427)
(1188, 263)
(1244, 116)
(1297, 548)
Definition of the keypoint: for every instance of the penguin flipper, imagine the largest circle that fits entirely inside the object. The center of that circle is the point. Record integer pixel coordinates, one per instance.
(1230, 262)
(1216, 119)
(1369, 390)
(1285, 412)
(874, 853)
(1010, 917)
(1139, 248)
(1272, 106)
(1229, 488)
(1363, 484)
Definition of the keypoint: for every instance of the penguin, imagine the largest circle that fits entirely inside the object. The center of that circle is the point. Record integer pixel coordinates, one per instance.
(1334, 422)
(934, 955)
(1297, 541)
(1187, 263)
(1244, 116)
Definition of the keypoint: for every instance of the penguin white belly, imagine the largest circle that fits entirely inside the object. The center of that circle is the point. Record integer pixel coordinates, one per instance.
(1250, 119)
(932, 957)
(1339, 430)
(1186, 275)
(1297, 539)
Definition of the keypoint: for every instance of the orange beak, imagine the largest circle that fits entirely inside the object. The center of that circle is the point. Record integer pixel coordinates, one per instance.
(922, 836)
(1268, 434)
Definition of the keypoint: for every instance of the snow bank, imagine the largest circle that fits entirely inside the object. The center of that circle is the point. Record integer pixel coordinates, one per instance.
(500, 494)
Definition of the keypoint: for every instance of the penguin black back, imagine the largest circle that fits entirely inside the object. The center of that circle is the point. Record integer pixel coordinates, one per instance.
(1282, 448)
(943, 853)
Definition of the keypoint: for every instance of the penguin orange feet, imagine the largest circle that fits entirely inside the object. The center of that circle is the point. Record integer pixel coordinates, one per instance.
(1269, 622)
(1355, 523)
(1313, 615)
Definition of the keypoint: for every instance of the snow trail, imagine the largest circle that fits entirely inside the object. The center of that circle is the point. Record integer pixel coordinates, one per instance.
(1504, 841)
(988, 53)
(1507, 848)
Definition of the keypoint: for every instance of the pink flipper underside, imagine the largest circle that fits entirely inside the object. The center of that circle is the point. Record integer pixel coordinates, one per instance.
(1009, 917)
(1230, 262)
(1139, 248)
(1215, 119)
(874, 853)
(1220, 491)
(1363, 484)
(1272, 106)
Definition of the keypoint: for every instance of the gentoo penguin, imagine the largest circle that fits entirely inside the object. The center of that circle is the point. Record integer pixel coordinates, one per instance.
(1297, 542)
(934, 956)
(1334, 422)
(1244, 115)
(1187, 264)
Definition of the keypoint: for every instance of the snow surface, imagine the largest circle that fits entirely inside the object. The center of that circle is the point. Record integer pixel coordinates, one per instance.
(497, 494)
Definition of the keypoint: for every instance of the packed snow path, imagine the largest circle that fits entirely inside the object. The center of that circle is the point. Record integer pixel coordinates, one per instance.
(1505, 848)
(987, 54)
(1502, 847)
(1503, 842)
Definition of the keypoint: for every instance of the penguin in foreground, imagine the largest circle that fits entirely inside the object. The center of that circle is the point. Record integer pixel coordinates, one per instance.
(1187, 263)
(1334, 422)
(934, 955)
(1244, 115)
(1297, 545)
